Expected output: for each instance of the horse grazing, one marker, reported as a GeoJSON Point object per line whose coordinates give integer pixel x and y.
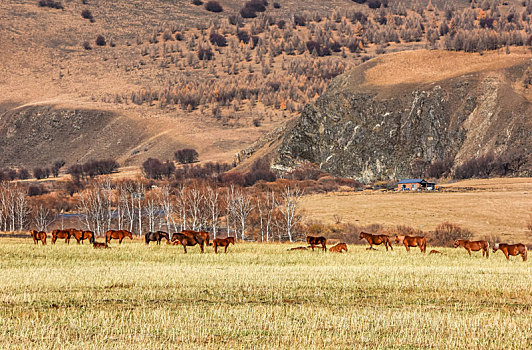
{"type": "Point", "coordinates": [340, 247]}
{"type": "Point", "coordinates": [512, 249]}
{"type": "Point", "coordinates": [317, 241]}
{"type": "Point", "coordinates": [80, 235]}
{"type": "Point", "coordinates": [61, 234]}
{"type": "Point", "coordinates": [156, 237]}
{"type": "Point", "coordinates": [38, 236]}
{"type": "Point", "coordinates": [203, 236]}
{"type": "Point", "coordinates": [376, 239]}
{"type": "Point", "coordinates": [117, 234]}
{"type": "Point", "coordinates": [298, 248]}
{"type": "Point", "coordinates": [97, 245]}
{"type": "Point", "coordinates": [222, 242]}
{"type": "Point", "coordinates": [187, 240]}
{"type": "Point", "coordinates": [474, 246]}
{"type": "Point", "coordinates": [412, 241]}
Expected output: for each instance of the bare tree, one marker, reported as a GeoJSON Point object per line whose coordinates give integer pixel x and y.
{"type": "Point", "coordinates": [289, 209]}
{"type": "Point", "coordinates": [42, 217]}
{"type": "Point", "coordinates": [213, 202]}
{"type": "Point", "coordinates": [243, 208]}
{"type": "Point", "coordinates": [196, 199]}
{"type": "Point", "coordinates": [167, 206]}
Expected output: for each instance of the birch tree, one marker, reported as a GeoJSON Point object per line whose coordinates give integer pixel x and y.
{"type": "Point", "coordinates": [289, 208]}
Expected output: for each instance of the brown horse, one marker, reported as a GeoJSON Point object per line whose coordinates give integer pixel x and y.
{"type": "Point", "coordinates": [222, 242]}
{"type": "Point", "coordinates": [187, 240]}
{"type": "Point", "coordinates": [474, 246]}
{"type": "Point", "coordinates": [80, 235]}
{"type": "Point", "coordinates": [38, 236]}
{"type": "Point", "coordinates": [97, 245]}
{"type": "Point", "coordinates": [298, 248]}
{"type": "Point", "coordinates": [117, 234]}
{"type": "Point", "coordinates": [156, 237]}
{"type": "Point", "coordinates": [512, 249]}
{"type": "Point", "coordinates": [317, 241]}
{"type": "Point", "coordinates": [204, 236]}
{"type": "Point", "coordinates": [433, 251]}
{"type": "Point", "coordinates": [376, 239]}
{"type": "Point", "coordinates": [338, 248]}
{"type": "Point", "coordinates": [412, 241]}
{"type": "Point", "coordinates": [61, 234]}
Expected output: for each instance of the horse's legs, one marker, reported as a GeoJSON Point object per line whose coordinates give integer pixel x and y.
{"type": "Point", "coordinates": [506, 254]}
{"type": "Point", "coordinates": [407, 247]}
{"type": "Point", "coordinates": [201, 247]}
{"type": "Point", "coordinates": [227, 245]}
{"type": "Point", "coordinates": [215, 248]}
{"type": "Point", "coordinates": [185, 248]}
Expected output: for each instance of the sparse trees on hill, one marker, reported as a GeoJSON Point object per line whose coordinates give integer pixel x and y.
{"type": "Point", "coordinates": [186, 156]}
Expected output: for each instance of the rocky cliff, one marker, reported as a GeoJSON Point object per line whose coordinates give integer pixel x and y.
{"type": "Point", "coordinates": [379, 120]}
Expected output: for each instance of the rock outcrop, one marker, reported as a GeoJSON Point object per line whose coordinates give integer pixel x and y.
{"type": "Point", "coordinates": [369, 127]}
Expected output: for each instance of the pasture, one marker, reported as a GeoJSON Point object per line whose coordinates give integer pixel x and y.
{"type": "Point", "coordinates": [500, 207]}
{"type": "Point", "coordinates": [259, 296]}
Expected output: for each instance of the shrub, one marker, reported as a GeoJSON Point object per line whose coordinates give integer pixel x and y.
{"type": "Point", "coordinates": [186, 156]}
{"type": "Point", "coordinates": [87, 14]}
{"type": "Point", "coordinates": [87, 45]}
{"type": "Point", "coordinates": [243, 35]}
{"type": "Point", "coordinates": [314, 46]}
{"type": "Point", "coordinates": [374, 4]}
{"type": "Point", "coordinates": [100, 40]}
{"type": "Point", "coordinates": [36, 190]}
{"type": "Point", "coordinates": [197, 2]}
{"type": "Point", "coordinates": [299, 21]}
{"type": "Point", "coordinates": [58, 164]}
{"type": "Point", "coordinates": [256, 5]}
{"type": "Point", "coordinates": [439, 168]}
{"type": "Point", "coordinates": [155, 169]}
{"type": "Point", "coordinates": [281, 24]}
{"type": "Point", "coordinates": [213, 6]}
{"type": "Point", "coordinates": [23, 174]}
{"type": "Point", "coordinates": [39, 173]}
{"type": "Point", "coordinates": [260, 170]}
{"type": "Point", "coordinates": [217, 39]}
{"type": "Point", "coordinates": [51, 3]}
{"type": "Point", "coordinates": [234, 178]}
{"type": "Point", "coordinates": [205, 53]}
{"type": "Point", "coordinates": [235, 20]}
{"type": "Point", "coordinates": [446, 233]}
{"type": "Point", "coordinates": [276, 5]}
{"type": "Point", "coordinates": [246, 12]}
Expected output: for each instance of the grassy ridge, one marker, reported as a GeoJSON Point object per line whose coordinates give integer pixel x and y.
{"type": "Point", "coordinates": [259, 296]}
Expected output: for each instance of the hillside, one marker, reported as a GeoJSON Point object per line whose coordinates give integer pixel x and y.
{"type": "Point", "coordinates": [394, 116]}
{"type": "Point", "coordinates": [169, 74]}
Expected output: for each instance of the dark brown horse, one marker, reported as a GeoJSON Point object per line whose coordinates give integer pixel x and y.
{"type": "Point", "coordinates": [80, 235]}
{"type": "Point", "coordinates": [61, 234]}
{"type": "Point", "coordinates": [156, 237]}
{"type": "Point", "coordinates": [317, 241]}
{"type": "Point", "coordinates": [474, 246]}
{"type": "Point", "coordinates": [97, 245]}
{"type": "Point", "coordinates": [187, 240]}
{"type": "Point", "coordinates": [511, 249]}
{"type": "Point", "coordinates": [376, 239]}
{"type": "Point", "coordinates": [222, 242]}
{"type": "Point", "coordinates": [412, 241]}
{"type": "Point", "coordinates": [203, 236]}
{"type": "Point", "coordinates": [117, 234]}
{"type": "Point", "coordinates": [338, 248]}
{"type": "Point", "coordinates": [38, 236]}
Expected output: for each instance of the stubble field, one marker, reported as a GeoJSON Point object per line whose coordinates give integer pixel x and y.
{"type": "Point", "coordinates": [259, 296]}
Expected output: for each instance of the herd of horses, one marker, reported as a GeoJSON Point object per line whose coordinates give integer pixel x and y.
{"type": "Point", "coordinates": [189, 238]}
{"type": "Point", "coordinates": [186, 238]}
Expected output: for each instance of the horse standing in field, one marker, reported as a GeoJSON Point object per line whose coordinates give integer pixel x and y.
{"type": "Point", "coordinates": [474, 246]}
{"type": "Point", "coordinates": [117, 234]}
{"type": "Point", "coordinates": [317, 241]}
{"type": "Point", "coordinates": [38, 236]}
{"type": "Point", "coordinates": [511, 249]}
{"type": "Point", "coordinates": [187, 240]}
{"type": "Point", "coordinates": [222, 242]}
{"type": "Point", "coordinates": [412, 241]}
{"type": "Point", "coordinates": [80, 235]}
{"type": "Point", "coordinates": [203, 236]}
{"type": "Point", "coordinates": [339, 248]}
{"type": "Point", "coordinates": [376, 239]}
{"type": "Point", "coordinates": [61, 234]}
{"type": "Point", "coordinates": [156, 237]}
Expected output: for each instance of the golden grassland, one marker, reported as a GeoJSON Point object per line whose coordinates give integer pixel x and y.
{"type": "Point", "coordinates": [259, 296]}
{"type": "Point", "coordinates": [499, 207]}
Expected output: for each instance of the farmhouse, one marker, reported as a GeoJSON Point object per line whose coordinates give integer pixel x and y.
{"type": "Point", "coordinates": [415, 185]}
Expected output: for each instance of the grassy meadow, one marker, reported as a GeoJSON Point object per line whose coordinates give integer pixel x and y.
{"type": "Point", "coordinates": [259, 296]}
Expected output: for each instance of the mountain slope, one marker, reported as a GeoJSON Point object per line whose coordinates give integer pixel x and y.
{"type": "Point", "coordinates": [386, 117]}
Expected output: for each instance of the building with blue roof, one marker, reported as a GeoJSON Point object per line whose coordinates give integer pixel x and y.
{"type": "Point", "coordinates": [415, 185]}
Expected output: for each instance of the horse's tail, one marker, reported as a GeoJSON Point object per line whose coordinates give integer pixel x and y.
{"type": "Point", "coordinates": [487, 249]}
{"type": "Point", "coordinates": [146, 238]}
{"type": "Point", "coordinates": [92, 239]}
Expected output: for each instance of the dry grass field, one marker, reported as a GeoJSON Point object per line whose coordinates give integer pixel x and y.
{"type": "Point", "coordinates": [259, 296]}
{"type": "Point", "coordinates": [499, 207]}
